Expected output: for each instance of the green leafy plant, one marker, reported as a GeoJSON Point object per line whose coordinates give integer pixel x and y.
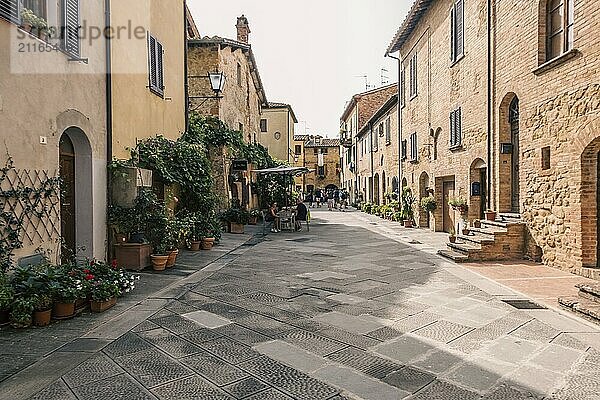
{"type": "Point", "coordinates": [408, 201]}
{"type": "Point", "coordinates": [21, 312]}
{"type": "Point", "coordinates": [459, 204]}
{"type": "Point", "coordinates": [7, 293]}
{"type": "Point", "coordinates": [235, 215]}
{"type": "Point", "coordinates": [104, 290]}
{"type": "Point", "coordinates": [428, 204]}
{"type": "Point", "coordinates": [42, 302]}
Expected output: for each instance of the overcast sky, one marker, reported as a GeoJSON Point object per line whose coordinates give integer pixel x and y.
{"type": "Point", "coordinates": [311, 53]}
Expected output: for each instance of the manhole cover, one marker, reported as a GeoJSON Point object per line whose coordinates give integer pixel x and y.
{"type": "Point", "coordinates": [524, 304]}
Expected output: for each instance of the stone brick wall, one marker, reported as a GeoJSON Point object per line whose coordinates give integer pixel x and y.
{"type": "Point", "coordinates": [560, 108]}
{"type": "Point", "coordinates": [442, 88]}
{"type": "Point", "coordinates": [331, 161]}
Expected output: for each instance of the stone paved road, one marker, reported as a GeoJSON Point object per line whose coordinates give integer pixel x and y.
{"type": "Point", "coordinates": [347, 311]}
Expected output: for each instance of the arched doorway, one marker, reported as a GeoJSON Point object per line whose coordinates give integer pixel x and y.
{"type": "Point", "coordinates": [395, 185]}
{"type": "Point", "coordinates": [68, 216]}
{"type": "Point", "coordinates": [424, 187]}
{"type": "Point", "coordinates": [383, 183]}
{"type": "Point", "coordinates": [75, 169]}
{"type": "Point", "coordinates": [590, 204]}
{"type": "Point", "coordinates": [508, 195]}
{"type": "Point", "coordinates": [513, 118]}
{"type": "Point", "coordinates": [478, 182]}
{"type": "Point", "coordinates": [376, 196]}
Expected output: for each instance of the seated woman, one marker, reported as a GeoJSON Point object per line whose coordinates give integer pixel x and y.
{"type": "Point", "coordinates": [272, 216]}
{"type": "Point", "coordinates": [301, 214]}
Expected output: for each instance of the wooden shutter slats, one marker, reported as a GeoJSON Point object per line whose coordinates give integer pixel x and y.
{"type": "Point", "coordinates": [71, 28]}
{"type": "Point", "coordinates": [156, 65]}
{"type": "Point", "coordinates": [460, 28]}
{"type": "Point", "coordinates": [11, 10]}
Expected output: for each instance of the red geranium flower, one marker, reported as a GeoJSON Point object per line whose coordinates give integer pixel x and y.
{"type": "Point", "coordinates": [86, 271]}
{"type": "Point", "coordinates": [114, 264]}
{"type": "Point", "coordinates": [89, 277]}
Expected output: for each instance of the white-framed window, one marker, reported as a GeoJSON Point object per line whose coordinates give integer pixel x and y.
{"type": "Point", "coordinates": [155, 66]}
{"type": "Point", "coordinates": [457, 31]}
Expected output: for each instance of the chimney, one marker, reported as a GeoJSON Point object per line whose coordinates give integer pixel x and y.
{"type": "Point", "coordinates": [243, 29]}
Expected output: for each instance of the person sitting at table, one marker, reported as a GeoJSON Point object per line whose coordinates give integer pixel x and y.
{"type": "Point", "coordinates": [301, 213]}
{"type": "Point", "coordinates": [272, 216]}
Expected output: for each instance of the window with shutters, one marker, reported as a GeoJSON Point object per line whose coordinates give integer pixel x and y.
{"type": "Point", "coordinates": [456, 128]}
{"type": "Point", "coordinates": [560, 16]}
{"type": "Point", "coordinates": [404, 150]}
{"type": "Point", "coordinates": [388, 131]}
{"type": "Point", "coordinates": [239, 74]}
{"type": "Point", "coordinates": [402, 87]}
{"type": "Point", "coordinates": [324, 150]}
{"type": "Point", "coordinates": [263, 125]}
{"type": "Point", "coordinates": [321, 171]}
{"type": "Point", "coordinates": [414, 150]}
{"type": "Point", "coordinates": [10, 10]}
{"type": "Point", "coordinates": [156, 66]}
{"type": "Point", "coordinates": [70, 29]}
{"type": "Point", "coordinates": [457, 31]}
{"type": "Point", "coordinates": [298, 149]}
{"type": "Point", "coordinates": [413, 77]}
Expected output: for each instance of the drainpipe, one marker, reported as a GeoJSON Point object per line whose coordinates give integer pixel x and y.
{"type": "Point", "coordinates": [372, 188]}
{"type": "Point", "coordinates": [490, 126]}
{"type": "Point", "coordinates": [399, 121]}
{"type": "Point", "coordinates": [109, 116]}
{"type": "Point", "coordinates": [185, 66]}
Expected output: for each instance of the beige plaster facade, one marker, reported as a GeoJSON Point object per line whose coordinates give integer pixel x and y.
{"type": "Point", "coordinates": [327, 174]}
{"type": "Point", "coordinates": [277, 131]}
{"type": "Point", "coordinates": [138, 112]}
{"type": "Point", "coordinates": [46, 95]}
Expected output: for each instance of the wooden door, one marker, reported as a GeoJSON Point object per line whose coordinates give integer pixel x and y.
{"type": "Point", "coordinates": [449, 218]}
{"type": "Point", "coordinates": [483, 197]}
{"type": "Point", "coordinates": [67, 204]}
{"type": "Point", "coordinates": [514, 132]}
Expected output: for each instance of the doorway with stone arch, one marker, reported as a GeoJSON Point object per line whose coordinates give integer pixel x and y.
{"type": "Point", "coordinates": [478, 188]}
{"type": "Point", "coordinates": [383, 185]}
{"type": "Point", "coordinates": [509, 190]}
{"type": "Point", "coordinates": [424, 187]}
{"type": "Point", "coordinates": [376, 194]}
{"type": "Point", "coordinates": [75, 169]}
{"type": "Point", "coordinates": [590, 204]}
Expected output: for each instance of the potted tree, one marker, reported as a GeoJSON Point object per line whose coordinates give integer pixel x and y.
{"type": "Point", "coordinates": [428, 204]}
{"type": "Point", "coordinates": [459, 204]}
{"type": "Point", "coordinates": [157, 234]}
{"type": "Point", "coordinates": [28, 20]}
{"type": "Point", "coordinates": [236, 218]}
{"type": "Point", "coordinates": [408, 201]}
{"type": "Point", "coordinates": [177, 230]}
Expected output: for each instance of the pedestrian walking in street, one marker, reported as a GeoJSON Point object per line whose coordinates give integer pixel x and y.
{"type": "Point", "coordinates": [309, 199]}
{"type": "Point", "coordinates": [318, 197]}
{"type": "Point", "coordinates": [343, 200]}
{"type": "Point", "coordinates": [330, 199]}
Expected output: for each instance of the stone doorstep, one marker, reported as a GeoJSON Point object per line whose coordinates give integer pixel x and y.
{"type": "Point", "coordinates": [589, 291]}
{"type": "Point", "coordinates": [586, 308]}
{"type": "Point", "coordinates": [453, 255]}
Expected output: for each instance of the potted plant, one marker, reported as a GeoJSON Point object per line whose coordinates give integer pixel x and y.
{"type": "Point", "coordinates": [452, 236]}
{"type": "Point", "coordinates": [43, 30]}
{"type": "Point", "coordinates": [458, 204]}
{"type": "Point", "coordinates": [6, 298]}
{"type": "Point", "coordinates": [65, 289]}
{"type": "Point", "coordinates": [408, 201]}
{"type": "Point", "coordinates": [158, 236]}
{"type": "Point", "coordinates": [490, 215]}
{"type": "Point", "coordinates": [428, 204]}
{"type": "Point", "coordinates": [42, 304]}
{"type": "Point", "coordinates": [477, 223]}
{"type": "Point", "coordinates": [104, 293]}
{"type": "Point", "coordinates": [21, 312]}
{"type": "Point", "coordinates": [177, 230]}
{"type": "Point", "coordinates": [28, 20]}
{"type": "Point", "coordinates": [236, 218]}
{"type": "Point", "coordinates": [254, 214]}
{"type": "Point", "coordinates": [465, 230]}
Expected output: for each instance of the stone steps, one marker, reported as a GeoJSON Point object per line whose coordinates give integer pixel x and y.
{"type": "Point", "coordinates": [453, 255]}
{"type": "Point", "coordinates": [499, 240]}
{"type": "Point", "coordinates": [587, 304]}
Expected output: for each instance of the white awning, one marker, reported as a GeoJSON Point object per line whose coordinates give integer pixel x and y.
{"type": "Point", "coordinates": [283, 170]}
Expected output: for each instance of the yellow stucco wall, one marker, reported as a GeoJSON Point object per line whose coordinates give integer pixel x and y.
{"type": "Point", "coordinates": [137, 112]}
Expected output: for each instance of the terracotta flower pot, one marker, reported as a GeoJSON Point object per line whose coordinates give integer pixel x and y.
{"type": "Point", "coordinates": [195, 245]}
{"type": "Point", "coordinates": [408, 223]}
{"type": "Point", "coordinates": [63, 310]}
{"type": "Point", "coordinates": [172, 258]}
{"type": "Point", "coordinates": [80, 304]}
{"type": "Point", "coordinates": [465, 232]}
{"type": "Point", "coordinates": [208, 243]}
{"type": "Point", "coordinates": [452, 239]}
{"type": "Point", "coordinates": [4, 316]}
{"type": "Point", "coordinates": [477, 223]}
{"type": "Point", "coordinates": [27, 27]}
{"type": "Point", "coordinates": [101, 306]}
{"type": "Point", "coordinates": [42, 318]}
{"type": "Point", "coordinates": [236, 228]}
{"type": "Point", "coordinates": [253, 221]}
{"type": "Point", "coordinates": [159, 263]}
{"type": "Point", "coordinates": [490, 215]}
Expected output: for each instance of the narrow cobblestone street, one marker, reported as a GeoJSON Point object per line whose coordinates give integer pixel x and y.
{"type": "Point", "coordinates": [347, 310]}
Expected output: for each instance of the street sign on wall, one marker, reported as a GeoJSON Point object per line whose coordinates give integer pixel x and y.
{"type": "Point", "coordinates": [239, 165]}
